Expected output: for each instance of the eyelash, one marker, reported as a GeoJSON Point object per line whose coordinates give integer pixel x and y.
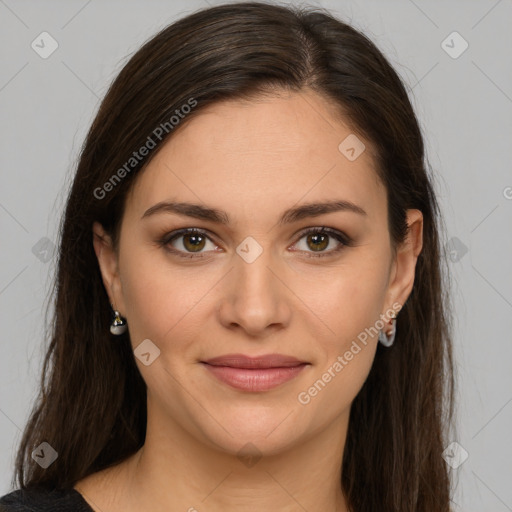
{"type": "Point", "coordinates": [345, 241]}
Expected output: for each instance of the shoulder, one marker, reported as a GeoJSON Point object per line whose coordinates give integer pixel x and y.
{"type": "Point", "coordinates": [44, 500]}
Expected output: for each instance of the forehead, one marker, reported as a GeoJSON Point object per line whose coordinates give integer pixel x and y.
{"type": "Point", "coordinates": [252, 154]}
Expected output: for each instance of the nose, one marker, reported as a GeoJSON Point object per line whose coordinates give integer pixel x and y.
{"type": "Point", "coordinates": [255, 297]}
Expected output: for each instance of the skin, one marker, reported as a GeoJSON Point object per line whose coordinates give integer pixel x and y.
{"type": "Point", "coordinates": [253, 160]}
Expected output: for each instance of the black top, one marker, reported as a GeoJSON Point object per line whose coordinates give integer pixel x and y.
{"type": "Point", "coordinates": [41, 500]}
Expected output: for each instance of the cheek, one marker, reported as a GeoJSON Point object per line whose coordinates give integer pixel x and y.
{"type": "Point", "coordinates": [333, 388]}
{"type": "Point", "coordinates": [343, 300]}
{"type": "Point", "coordinates": [158, 298]}
{"type": "Point", "coordinates": [349, 305]}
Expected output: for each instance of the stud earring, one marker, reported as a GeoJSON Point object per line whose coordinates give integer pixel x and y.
{"type": "Point", "coordinates": [388, 339]}
{"type": "Point", "coordinates": [118, 325]}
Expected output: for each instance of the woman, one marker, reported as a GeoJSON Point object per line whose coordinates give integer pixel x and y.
{"type": "Point", "coordinates": [251, 310]}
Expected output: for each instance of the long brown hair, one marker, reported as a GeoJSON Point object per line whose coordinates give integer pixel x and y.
{"type": "Point", "coordinates": [92, 404]}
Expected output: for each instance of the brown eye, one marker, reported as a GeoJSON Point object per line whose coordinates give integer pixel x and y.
{"type": "Point", "coordinates": [193, 242]}
{"type": "Point", "coordinates": [188, 243]}
{"type": "Point", "coordinates": [317, 241]}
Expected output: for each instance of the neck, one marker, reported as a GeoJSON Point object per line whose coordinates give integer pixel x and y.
{"type": "Point", "coordinates": [174, 471]}
{"type": "Point", "coordinates": [178, 469]}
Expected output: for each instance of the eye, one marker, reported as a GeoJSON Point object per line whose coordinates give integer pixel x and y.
{"type": "Point", "coordinates": [192, 243]}
{"type": "Point", "coordinates": [318, 239]}
{"type": "Point", "coordinates": [194, 240]}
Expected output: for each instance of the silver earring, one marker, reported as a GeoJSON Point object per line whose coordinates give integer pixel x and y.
{"type": "Point", "coordinates": [388, 339]}
{"type": "Point", "coordinates": [118, 325]}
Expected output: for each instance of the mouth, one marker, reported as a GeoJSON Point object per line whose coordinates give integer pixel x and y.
{"type": "Point", "coordinates": [254, 374]}
{"type": "Point", "coordinates": [249, 362]}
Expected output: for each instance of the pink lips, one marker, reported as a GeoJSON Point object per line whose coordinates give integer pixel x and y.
{"type": "Point", "coordinates": [254, 373]}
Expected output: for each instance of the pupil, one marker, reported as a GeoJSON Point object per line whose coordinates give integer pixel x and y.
{"type": "Point", "coordinates": [194, 239]}
{"type": "Point", "coordinates": [316, 238]}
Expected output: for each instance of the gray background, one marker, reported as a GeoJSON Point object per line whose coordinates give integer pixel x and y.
{"type": "Point", "coordinates": [465, 109]}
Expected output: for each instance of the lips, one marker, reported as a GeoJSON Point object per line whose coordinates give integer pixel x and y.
{"type": "Point", "coordinates": [265, 361]}
{"type": "Point", "coordinates": [254, 374]}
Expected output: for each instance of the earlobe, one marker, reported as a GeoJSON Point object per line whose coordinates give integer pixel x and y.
{"type": "Point", "coordinates": [108, 263]}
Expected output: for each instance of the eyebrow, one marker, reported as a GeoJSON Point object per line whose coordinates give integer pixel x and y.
{"type": "Point", "coordinates": [295, 214]}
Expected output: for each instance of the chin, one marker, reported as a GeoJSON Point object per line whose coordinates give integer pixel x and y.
{"type": "Point", "coordinates": [262, 431]}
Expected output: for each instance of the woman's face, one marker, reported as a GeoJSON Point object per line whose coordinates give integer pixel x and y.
{"type": "Point", "coordinates": [257, 283]}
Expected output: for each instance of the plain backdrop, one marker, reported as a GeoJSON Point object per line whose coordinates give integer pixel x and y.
{"type": "Point", "coordinates": [464, 103]}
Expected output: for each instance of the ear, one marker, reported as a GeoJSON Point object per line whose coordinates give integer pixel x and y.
{"type": "Point", "coordinates": [108, 263]}
{"type": "Point", "coordinates": [404, 266]}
